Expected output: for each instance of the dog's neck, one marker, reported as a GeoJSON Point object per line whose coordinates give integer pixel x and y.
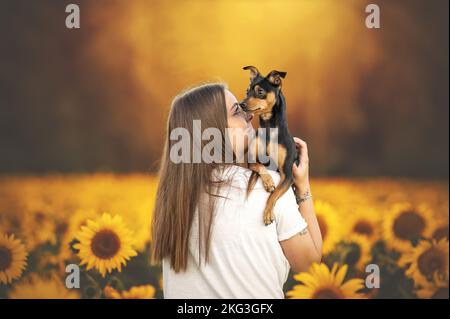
{"type": "Point", "coordinates": [277, 115]}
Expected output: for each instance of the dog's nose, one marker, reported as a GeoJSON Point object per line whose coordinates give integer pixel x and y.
{"type": "Point", "coordinates": [243, 105]}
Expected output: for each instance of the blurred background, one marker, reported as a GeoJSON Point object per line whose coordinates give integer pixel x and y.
{"type": "Point", "coordinates": [94, 101]}
{"type": "Point", "coordinates": [368, 101]}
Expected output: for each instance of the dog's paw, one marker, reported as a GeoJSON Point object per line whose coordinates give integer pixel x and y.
{"type": "Point", "coordinates": [269, 188]}
{"type": "Point", "coordinates": [268, 217]}
{"type": "Point", "coordinates": [268, 183]}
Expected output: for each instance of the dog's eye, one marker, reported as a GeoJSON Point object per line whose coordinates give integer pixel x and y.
{"type": "Point", "coordinates": [259, 91]}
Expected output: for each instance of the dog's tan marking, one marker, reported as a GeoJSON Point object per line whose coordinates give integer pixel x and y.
{"type": "Point", "coordinates": [270, 99]}
{"type": "Point", "coordinates": [275, 76]}
{"type": "Point", "coordinates": [282, 152]}
{"type": "Point", "coordinates": [278, 152]}
{"type": "Point", "coordinates": [262, 107]}
{"type": "Point", "coordinates": [266, 116]}
{"type": "Point", "coordinates": [282, 187]}
{"type": "Point", "coordinates": [257, 87]}
{"type": "Point", "coordinates": [255, 105]}
{"type": "Point", "coordinates": [256, 146]}
{"type": "Point", "coordinates": [275, 79]}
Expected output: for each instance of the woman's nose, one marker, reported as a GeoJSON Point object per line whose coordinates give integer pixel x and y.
{"type": "Point", "coordinates": [249, 117]}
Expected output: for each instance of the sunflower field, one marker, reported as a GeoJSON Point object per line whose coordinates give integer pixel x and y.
{"type": "Point", "coordinates": [101, 222]}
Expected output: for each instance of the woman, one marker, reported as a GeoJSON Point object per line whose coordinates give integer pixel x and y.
{"type": "Point", "coordinates": [209, 236]}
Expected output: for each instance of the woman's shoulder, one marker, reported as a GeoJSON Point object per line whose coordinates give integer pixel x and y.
{"type": "Point", "coordinates": [286, 199]}
{"type": "Point", "coordinates": [239, 176]}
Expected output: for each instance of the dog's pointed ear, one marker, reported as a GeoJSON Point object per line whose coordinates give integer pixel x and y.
{"type": "Point", "coordinates": [275, 77]}
{"type": "Point", "coordinates": [253, 71]}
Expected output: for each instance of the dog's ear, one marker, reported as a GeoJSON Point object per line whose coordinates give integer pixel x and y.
{"type": "Point", "coordinates": [275, 77]}
{"type": "Point", "coordinates": [253, 71]}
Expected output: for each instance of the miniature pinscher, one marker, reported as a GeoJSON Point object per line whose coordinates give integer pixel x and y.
{"type": "Point", "coordinates": [265, 99]}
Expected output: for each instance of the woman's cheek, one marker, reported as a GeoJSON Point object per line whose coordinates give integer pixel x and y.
{"type": "Point", "coordinates": [238, 134]}
{"type": "Point", "coordinates": [234, 139]}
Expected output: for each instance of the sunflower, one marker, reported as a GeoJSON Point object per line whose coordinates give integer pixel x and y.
{"type": "Point", "coordinates": [404, 223]}
{"type": "Point", "coordinates": [13, 258]}
{"type": "Point", "coordinates": [77, 220]}
{"type": "Point", "coordinates": [440, 230]}
{"type": "Point", "coordinates": [365, 224]}
{"type": "Point", "coordinates": [358, 248]}
{"type": "Point", "coordinates": [329, 224]}
{"type": "Point", "coordinates": [105, 244]}
{"type": "Point", "coordinates": [137, 292]}
{"type": "Point", "coordinates": [426, 259]}
{"type": "Point", "coordinates": [437, 289]}
{"type": "Point", "coordinates": [35, 287]}
{"type": "Point", "coordinates": [321, 283]}
{"type": "Point", "coordinates": [39, 227]}
{"type": "Point", "coordinates": [9, 223]}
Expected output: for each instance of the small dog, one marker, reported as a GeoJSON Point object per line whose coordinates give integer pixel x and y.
{"type": "Point", "coordinates": [265, 99]}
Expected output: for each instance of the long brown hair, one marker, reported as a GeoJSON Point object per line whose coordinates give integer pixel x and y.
{"type": "Point", "coordinates": [183, 186]}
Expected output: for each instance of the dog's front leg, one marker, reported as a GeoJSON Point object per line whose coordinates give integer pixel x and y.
{"type": "Point", "coordinates": [254, 151]}
{"type": "Point", "coordinates": [267, 180]}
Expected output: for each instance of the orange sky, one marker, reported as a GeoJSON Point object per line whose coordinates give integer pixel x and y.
{"type": "Point", "coordinates": [323, 45]}
{"type": "Point", "coordinates": [368, 101]}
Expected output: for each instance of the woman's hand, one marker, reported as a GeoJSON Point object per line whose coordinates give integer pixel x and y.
{"type": "Point", "coordinates": [301, 172]}
{"type": "Point", "coordinates": [304, 248]}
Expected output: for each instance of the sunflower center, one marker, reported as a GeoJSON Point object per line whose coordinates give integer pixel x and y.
{"type": "Point", "coordinates": [354, 254]}
{"type": "Point", "coordinates": [363, 227]}
{"type": "Point", "coordinates": [441, 232]}
{"type": "Point", "coordinates": [39, 217]}
{"type": "Point", "coordinates": [105, 244]}
{"type": "Point", "coordinates": [409, 225]}
{"type": "Point", "coordinates": [327, 293]}
{"type": "Point", "coordinates": [5, 258]}
{"type": "Point", "coordinates": [431, 261]}
{"type": "Point", "coordinates": [323, 226]}
{"type": "Point", "coordinates": [61, 228]}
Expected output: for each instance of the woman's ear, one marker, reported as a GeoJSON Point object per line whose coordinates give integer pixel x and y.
{"type": "Point", "coordinates": [253, 71]}
{"type": "Point", "coordinates": [275, 77]}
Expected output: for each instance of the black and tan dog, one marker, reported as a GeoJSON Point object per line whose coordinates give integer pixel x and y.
{"type": "Point", "coordinates": [265, 99]}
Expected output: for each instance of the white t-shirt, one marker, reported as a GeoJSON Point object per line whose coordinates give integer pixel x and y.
{"type": "Point", "coordinates": [245, 257]}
